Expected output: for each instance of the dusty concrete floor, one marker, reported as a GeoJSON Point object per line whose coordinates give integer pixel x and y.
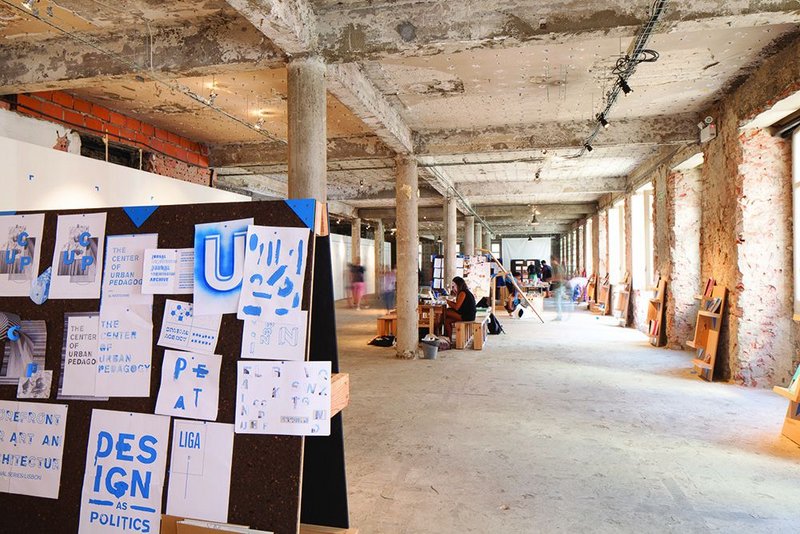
{"type": "Point", "coordinates": [577, 426]}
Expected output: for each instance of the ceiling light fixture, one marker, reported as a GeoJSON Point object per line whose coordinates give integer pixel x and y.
{"type": "Point", "coordinates": [624, 86]}
{"type": "Point", "coordinates": [212, 97]}
{"type": "Point", "coordinates": [28, 4]}
{"type": "Point", "coordinates": [601, 118]}
{"type": "Point", "coordinates": [588, 147]}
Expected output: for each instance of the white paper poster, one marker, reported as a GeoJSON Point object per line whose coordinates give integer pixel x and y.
{"type": "Point", "coordinates": [20, 253]}
{"type": "Point", "coordinates": [168, 271]}
{"type": "Point", "coordinates": [31, 447]}
{"type": "Point", "coordinates": [78, 256]}
{"type": "Point", "coordinates": [183, 330]}
{"type": "Point", "coordinates": [80, 355]}
{"type": "Point", "coordinates": [124, 352]}
{"type": "Point", "coordinates": [122, 279]}
{"type": "Point", "coordinates": [36, 385]}
{"type": "Point", "coordinates": [189, 385]}
{"type": "Point", "coordinates": [275, 340]}
{"type": "Point", "coordinates": [219, 263]}
{"type": "Point", "coordinates": [200, 470]}
{"type": "Point", "coordinates": [289, 398]}
{"type": "Point", "coordinates": [275, 270]}
{"type": "Point", "coordinates": [126, 460]}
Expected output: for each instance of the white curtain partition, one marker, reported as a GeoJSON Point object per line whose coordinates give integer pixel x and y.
{"type": "Point", "coordinates": [340, 257]}
{"type": "Point", "coordinates": [519, 248]}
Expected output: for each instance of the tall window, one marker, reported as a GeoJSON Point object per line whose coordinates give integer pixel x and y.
{"type": "Point", "coordinates": [642, 236]}
{"type": "Point", "coordinates": [796, 218]}
{"type": "Point", "coordinates": [588, 253]}
{"type": "Point", "coordinates": [616, 241]}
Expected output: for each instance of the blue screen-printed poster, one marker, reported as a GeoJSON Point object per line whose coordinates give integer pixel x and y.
{"type": "Point", "coordinates": [189, 385]}
{"type": "Point", "coordinates": [274, 274]}
{"type": "Point", "coordinates": [219, 250]}
{"type": "Point", "coordinates": [126, 460]}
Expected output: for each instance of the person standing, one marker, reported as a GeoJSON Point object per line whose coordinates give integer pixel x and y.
{"type": "Point", "coordinates": [389, 284]}
{"type": "Point", "coordinates": [357, 282]}
{"type": "Point", "coordinates": [557, 285]}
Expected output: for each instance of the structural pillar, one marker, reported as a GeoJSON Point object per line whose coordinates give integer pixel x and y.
{"type": "Point", "coordinates": [407, 251]}
{"type": "Point", "coordinates": [355, 241]}
{"type": "Point", "coordinates": [487, 239]}
{"type": "Point", "coordinates": [450, 242]}
{"type": "Point", "coordinates": [469, 235]}
{"type": "Point", "coordinates": [478, 240]}
{"type": "Point", "coordinates": [307, 110]}
{"type": "Point", "coordinates": [379, 266]}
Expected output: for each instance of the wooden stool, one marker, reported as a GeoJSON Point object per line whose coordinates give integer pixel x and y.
{"type": "Point", "coordinates": [387, 325]}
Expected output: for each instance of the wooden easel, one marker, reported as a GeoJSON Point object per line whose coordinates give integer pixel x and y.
{"type": "Point", "coordinates": [791, 425]}
{"type": "Point", "coordinates": [602, 306]}
{"type": "Point", "coordinates": [520, 292]}
{"type": "Point", "coordinates": [706, 333]}
{"type": "Point", "coordinates": [655, 316]}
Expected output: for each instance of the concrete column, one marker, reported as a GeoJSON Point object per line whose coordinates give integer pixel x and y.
{"type": "Point", "coordinates": [487, 239]}
{"type": "Point", "coordinates": [379, 265]}
{"type": "Point", "coordinates": [407, 250]}
{"type": "Point", "coordinates": [355, 241]}
{"type": "Point", "coordinates": [469, 235]}
{"type": "Point", "coordinates": [478, 240]}
{"type": "Point", "coordinates": [450, 241]}
{"type": "Point", "coordinates": [307, 109]}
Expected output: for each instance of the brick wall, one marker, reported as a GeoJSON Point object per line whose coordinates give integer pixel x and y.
{"type": "Point", "coordinates": [173, 155]}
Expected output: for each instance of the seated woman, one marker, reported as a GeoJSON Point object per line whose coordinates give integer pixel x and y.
{"type": "Point", "coordinates": [460, 309]}
{"type": "Point", "coordinates": [513, 298]}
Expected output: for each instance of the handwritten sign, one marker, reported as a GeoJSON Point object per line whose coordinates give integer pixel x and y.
{"type": "Point", "coordinates": [200, 470]}
{"type": "Point", "coordinates": [189, 385]}
{"type": "Point", "coordinates": [275, 269]}
{"type": "Point", "coordinates": [219, 263]}
{"type": "Point", "coordinates": [20, 253]}
{"type": "Point", "coordinates": [183, 330]}
{"type": "Point", "coordinates": [31, 447]}
{"type": "Point", "coordinates": [275, 340]}
{"type": "Point", "coordinates": [168, 271]}
{"type": "Point", "coordinates": [122, 280]}
{"type": "Point", "coordinates": [288, 398]}
{"type": "Point", "coordinates": [124, 478]}
{"type": "Point", "coordinates": [78, 256]}
{"type": "Point", "coordinates": [80, 354]}
{"type": "Point", "coordinates": [124, 354]}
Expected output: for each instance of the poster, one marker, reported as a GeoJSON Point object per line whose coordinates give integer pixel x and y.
{"type": "Point", "coordinates": [200, 470]}
{"type": "Point", "coordinates": [168, 271]}
{"type": "Point", "coordinates": [181, 329]}
{"type": "Point", "coordinates": [275, 340]}
{"type": "Point", "coordinates": [78, 256]}
{"type": "Point", "coordinates": [275, 270]}
{"type": "Point", "coordinates": [289, 398]}
{"type": "Point", "coordinates": [35, 384]}
{"type": "Point", "coordinates": [25, 347]}
{"type": "Point", "coordinates": [20, 253]}
{"type": "Point", "coordinates": [31, 447]}
{"type": "Point", "coordinates": [124, 352]}
{"type": "Point", "coordinates": [122, 279]}
{"type": "Point", "coordinates": [126, 459]}
{"type": "Point", "coordinates": [189, 385]}
{"type": "Point", "coordinates": [219, 263]}
{"type": "Point", "coordinates": [80, 352]}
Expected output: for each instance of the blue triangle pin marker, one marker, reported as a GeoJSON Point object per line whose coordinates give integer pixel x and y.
{"type": "Point", "coordinates": [8, 212]}
{"type": "Point", "coordinates": [139, 214]}
{"type": "Point", "coordinates": [305, 209]}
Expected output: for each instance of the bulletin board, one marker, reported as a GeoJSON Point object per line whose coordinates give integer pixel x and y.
{"type": "Point", "coordinates": [267, 475]}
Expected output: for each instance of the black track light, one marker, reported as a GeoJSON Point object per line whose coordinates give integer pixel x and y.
{"type": "Point", "coordinates": [588, 147]}
{"type": "Point", "coordinates": [602, 120]}
{"type": "Point", "coordinates": [624, 86]}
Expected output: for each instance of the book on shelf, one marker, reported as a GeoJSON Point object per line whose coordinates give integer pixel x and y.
{"type": "Point", "coordinates": [713, 305]}
{"type": "Point", "coordinates": [654, 327]}
{"type": "Point", "coordinates": [794, 385]}
{"type": "Point", "coordinates": [710, 283]}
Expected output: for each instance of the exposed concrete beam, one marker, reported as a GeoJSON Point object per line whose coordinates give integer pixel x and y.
{"type": "Point", "coordinates": [662, 130]}
{"type": "Point", "coordinates": [212, 45]}
{"type": "Point", "coordinates": [276, 153]}
{"type": "Point", "coordinates": [349, 84]}
{"type": "Point", "coordinates": [379, 195]}
{"type": "Point", "coordinates": [290, 24]}
{"type": "Point", "coordinates": [495, 213]}
{"type": "Point", "coordinates": [528, 187]}
{"type": "Point", "coordinates": [373, 30]}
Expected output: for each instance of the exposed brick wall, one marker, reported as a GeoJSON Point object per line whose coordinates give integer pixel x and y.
{"type": "Point", "coordinates": [173, 155]}
{"type": "Point", "coordinates": [5, 105]}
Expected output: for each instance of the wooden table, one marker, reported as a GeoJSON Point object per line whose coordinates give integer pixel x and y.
{"type": "Point", "coordinates": [434, 315]}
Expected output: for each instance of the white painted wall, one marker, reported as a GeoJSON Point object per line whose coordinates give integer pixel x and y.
{"type": "Point", "coordinates": [36, 177]}
{"type": "Point", "coordinates": [340, 257]}
{"type": "Point", "coordinates": [35, 131]}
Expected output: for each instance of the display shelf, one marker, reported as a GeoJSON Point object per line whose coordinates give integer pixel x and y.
{"type": "Point", "coordinates": [706, 333]}
{"type": "Point", "coordinates": [791, 424]}
{"type": "Point", "coordinates": [655, 316]}
{"type": "Point", "coordinates": [701, 364]}
{"type": "Point", "coordinates": [703, 313]}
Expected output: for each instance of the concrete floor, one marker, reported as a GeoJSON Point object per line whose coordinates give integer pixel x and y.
{"type": "Point", "coordinates": [579, 426]}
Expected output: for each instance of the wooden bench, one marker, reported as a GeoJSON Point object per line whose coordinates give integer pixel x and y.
{"type": "Point", "coordinates": [474, 331]}
{"type": "Point", "coordinates": [387, 325]}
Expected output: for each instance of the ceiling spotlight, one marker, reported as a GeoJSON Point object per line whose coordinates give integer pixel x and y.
{"type": "Point", "coordinates": [259, 123]}
{"type": "Point", "coordinates": [534, 220]}
{"type": "Point", "coordinates": [28, 4]}
{"type": "Point", "coordinates": [212, 97]}
{"type": "Point", "coordinates": [538, 175]}
{"type": "Point", "coordinates": [602, 120]}
{"type": "Point", "coordinates": [530, 238]}
{"type": "Point", "coordinates": [624, 86]}
{"type": "Point", "coordinates": [588, 147]}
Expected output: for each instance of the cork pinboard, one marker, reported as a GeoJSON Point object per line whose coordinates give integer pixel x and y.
{"type": "Point", "coordinates": [267, 470]}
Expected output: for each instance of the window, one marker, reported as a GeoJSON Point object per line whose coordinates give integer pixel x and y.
{"type": "Point", "coordinates": [642, 237]}
{"type": "Point", "coordinates": [588, 255]}
{"type": "Point", "coordinates": [496, 249]}
{"type": "Point", "coordinates": [616, 241]}
{"type": "Point", "coordinates": [796, 223]}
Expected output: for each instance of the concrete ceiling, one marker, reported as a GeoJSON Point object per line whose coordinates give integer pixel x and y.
{"type": "Point", "coordinates": [494, 98]}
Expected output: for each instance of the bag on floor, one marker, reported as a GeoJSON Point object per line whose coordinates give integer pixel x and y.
{"type": "Point", "coordinates": [494, 327]}
{"type": "Point", "coordinates": [382, 341]}
{"type": "Point", "coordinates": [443, 342]}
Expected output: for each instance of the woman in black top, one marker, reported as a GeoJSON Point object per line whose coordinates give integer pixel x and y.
{"type": "Point", "coordinates": [462, 308]}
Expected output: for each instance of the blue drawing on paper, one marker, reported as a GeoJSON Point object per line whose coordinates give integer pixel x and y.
{"type": "Point", "coordinates": [219, 250]}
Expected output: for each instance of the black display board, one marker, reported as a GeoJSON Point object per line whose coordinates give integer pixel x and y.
{"type": "Point", "coordinates": [267, 470]}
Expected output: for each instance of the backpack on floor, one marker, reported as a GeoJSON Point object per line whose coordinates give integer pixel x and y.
{"type": "Point", "coordinates": [494, 327]}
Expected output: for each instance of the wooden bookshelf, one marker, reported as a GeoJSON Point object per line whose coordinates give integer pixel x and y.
{"type": "Point", "coordinates": [706, 333]}
{"type": "Point", "coordinates": [791, 424]}
{"type": "Point", "coordinates": [621, 303]}
{"type": "Point", "coordinates": [591, 289]}
{"type": "Point", "coordinates": [655, 316]}
{"type": "Point", "coordinates": [603, 304]}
